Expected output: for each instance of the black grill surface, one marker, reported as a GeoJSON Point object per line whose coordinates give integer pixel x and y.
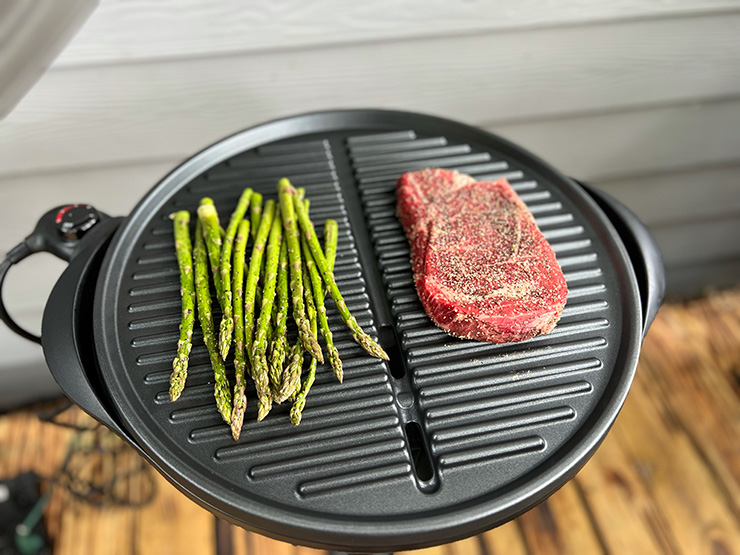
{"type": "Point", "coordinates": [450, 437]}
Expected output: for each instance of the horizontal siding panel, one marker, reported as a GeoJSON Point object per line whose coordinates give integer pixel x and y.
{"type": "Point", "coordinates": [679, 197]}
{"type": "Point", "coordinates": [149, 29]}
{"type": "Point", "coordinates": [608, 146]}
{"type": "Point", "coordinates": [127, 112]}
{"type": "Point", "coordinates": [694, 280]}
{"type": "Point", "coordinates": [699, 243]}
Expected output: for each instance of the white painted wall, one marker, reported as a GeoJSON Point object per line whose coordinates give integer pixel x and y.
{"type": "Point", "coordinates": [639, 97]}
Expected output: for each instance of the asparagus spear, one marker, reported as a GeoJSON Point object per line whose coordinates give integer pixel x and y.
{"type": "Point", "coordinates": [255, 261]}
{"type": "Point", "coordinates": [203, 296]}
{"type": "Point", "coordinates": [213, 234]}
{"type": "Point", "coordinates": [279, 343]}
{"type": "Point", "coordinates": [286, 192]}
{"type": "Point", "coordinates": [240, 362]}
{"type": "Point", "coordinates": [259, 346]}
{"type": "Point", "coordinates": [256, 216]}
{"type": "Point", "coordinates": [331, 237]}
{"type": "Point", "coordinates": [300, 401]}
{"type": "Point", "coordinates": [187, 292]}
{"type": "Point", "coordinates": [292, 374]}
{"type": "Point", "coordinates": [327, 275]}
{"type": "Point", "coordinates": [255, 213]}
{"type": "Point", "coordinates": [318, 300]}
{"type": "Point", "coordinates": [227, 322]}
{"type": "Point", "coordinates": [208, 217]}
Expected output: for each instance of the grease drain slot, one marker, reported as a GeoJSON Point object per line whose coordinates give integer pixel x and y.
{"type": "Point", "coordinates": [390, 343]}
{"type": "Point", "coordinates": [420, 458]}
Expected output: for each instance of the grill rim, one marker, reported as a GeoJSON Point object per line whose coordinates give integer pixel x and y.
{"type": "Point", "coordinates": [317, 530]}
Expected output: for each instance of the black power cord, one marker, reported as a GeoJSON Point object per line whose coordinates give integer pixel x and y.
{"type": "Point", "coordinates": [134, 487]}
{"type": "Point", "coordinates": [109, 450]}
{"type": "Point", "coordinates": [17, 254]}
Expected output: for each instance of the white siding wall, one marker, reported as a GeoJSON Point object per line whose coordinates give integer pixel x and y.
{"type": "Point", "coordinates": [639, 97]}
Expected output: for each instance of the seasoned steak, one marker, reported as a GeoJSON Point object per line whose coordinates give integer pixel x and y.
{"type": "Point", "coordinates": [482, 268]}
{"type": "Point", "coordinates": [417, 192]}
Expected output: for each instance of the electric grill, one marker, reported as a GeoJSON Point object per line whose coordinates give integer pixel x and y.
{"type": "Point", "coordinates": [450, 437]}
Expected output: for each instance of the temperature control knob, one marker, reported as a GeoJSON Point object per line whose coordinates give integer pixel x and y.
{"type": "Point", "coordinates": [74, 220]}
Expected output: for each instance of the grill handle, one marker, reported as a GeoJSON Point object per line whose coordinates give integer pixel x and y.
{"type": "Point", "coordinates": [67, 331]}
{"type": "Point", "coordinates": [642, 249]}
{"type": "Point", "coordinates": [60, 232]}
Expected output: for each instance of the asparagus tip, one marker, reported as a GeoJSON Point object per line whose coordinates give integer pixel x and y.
{"type": "Point", "coordinates": [264, 408]}
{"type": "Point", "coordinates": [296, 414]}
{"type": "Point", "coordinates": [237, 414]}
{"type": "Point", "coordinates": [367, 343]}
{"type": "Point", "coordinates": [175, 393]}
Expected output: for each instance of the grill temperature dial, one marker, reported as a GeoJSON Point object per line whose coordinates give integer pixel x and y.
{"type": "Point", "coordinates": [74, 220]}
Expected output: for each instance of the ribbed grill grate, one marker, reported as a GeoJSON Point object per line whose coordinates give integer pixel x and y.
{"type": "Point", "coordinates": [350, 435]}
{"type": "Point", "coordinates": [477, 401]}
{"type": "Point", "coordinates": [491, 417]}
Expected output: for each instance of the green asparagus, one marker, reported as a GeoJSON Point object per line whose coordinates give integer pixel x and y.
{"type": "Point", "coordinates": [255, 213]}
{"type": "Point", "coordinates": [227, 322]}
{"type": "Point", "coordinates": [208, 217]}
{"type": "Point", "coordinates": [184, 253]}
{"type": "Point", "coordinates": [260, 372]}
{"type": "Point", "coordinates": [279, 343]}
{"type": "Point", "coordinates": [327, 275]}
{"type": "Point", "coordinates": [331, 237]}
{"type": "Point", "coordinates": [296, 411]}
{"type": "Point", "coordinates": [291, 378]}
{"type": "Point", "coordinates": [318, 300]}
{"type": "Point", "coordinates": [240, 361]}
{"type": "Point", "coordinates": [203, 296]}
{"type": "Point", "coordinates": [255, 261]}
{"type": "Point", "coordinates": [286, 192]}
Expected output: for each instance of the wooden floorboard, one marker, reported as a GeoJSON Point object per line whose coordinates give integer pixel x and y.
{"type": "Point", "coordinates": [665, 480]}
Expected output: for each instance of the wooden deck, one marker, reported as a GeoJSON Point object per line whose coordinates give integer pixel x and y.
{"type": "Point", "coordinates": [666, 480]}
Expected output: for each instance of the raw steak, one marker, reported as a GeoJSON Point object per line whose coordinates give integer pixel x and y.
{"type": "Point", "coordinates": [482, 268]}
{"type": "Point", "coordinates": [416, 194]}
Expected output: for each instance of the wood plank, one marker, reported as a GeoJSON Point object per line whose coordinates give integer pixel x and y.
{"type": "Point", "coordinates": [469, 546]}
{"type": "Point", "coordinates": [437, 550]}
{"type": "Point", "coordinates": [507, 539]}
{"type": "Point", "coordinates": [262, 544]}
{"type": "Point", "coordinates": [561, 525]}
{"type": "Point", "coordinates": [100, 115]}
{"type": "Point", "coordinates": [161, 29]}
{"type": "Point", "coordinates": [690, 339]}
{"type": "Point", "coordinates": [638, 162]}
{"type": "Point", "coordinates": [679, 196]}
{"type": "Point", "coordinates": [614, 492]}
{"type": "Point", "coordinates": [696, 512]}
{"type": "Point", "coordinates": [160, 527]}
